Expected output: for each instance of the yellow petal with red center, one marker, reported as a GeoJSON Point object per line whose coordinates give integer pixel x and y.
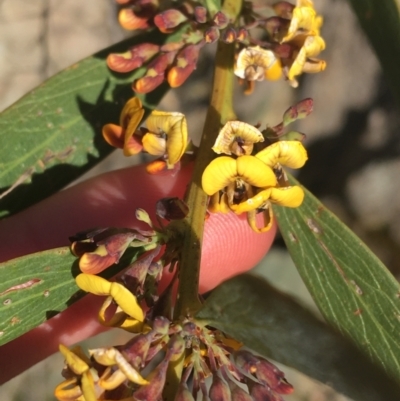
{"type": "Point", "coordinates": [236, 131]}
{"type": "Point", "coordinates": [288, 153]}
{"type": "Point", "coordinates": [87, 385]}
{"type": "Point", "coordinates": [126, 301]}
{"type": "Point", "coordinates": [68, 390]}
{"type": "Point", "coordinates": [175, 127]}
{"type": "Point", "coordinates": [255, 172]}
{"type": "Point", "coordinates": [97, 261]}
{"type": "Point", "coordinates": [268, 220]}
{"type": "Point", "coordinates": [111, 379]}
{"type": "Point", "coordinates": [218, 174]}
{"type": "Point", "coordinates": [252, 203]}
{"type": "Point", "coordinates": [287, 196]}
{"type": "Point", "coordinates": [303, 20]}
{"type": "Point", "coordinates": [154, 144]}
{"type": "Point", "coordinates": [76, 364]}
{"type": "Point", "coordinates": [114, 135]}
{"type": "Point", "coordinates": [94, 284]}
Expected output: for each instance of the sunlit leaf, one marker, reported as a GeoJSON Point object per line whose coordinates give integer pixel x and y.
{"type": "Point", "coordinates": [353, 289]}
{"type": "Point", "coordinates": [274, 325]}
{"type": "Point", "coordinates": [35, 287]}
{"type": "Point", "coordinates": [53, 134]}
{"type": "Point", "coordinates": [380, 20]}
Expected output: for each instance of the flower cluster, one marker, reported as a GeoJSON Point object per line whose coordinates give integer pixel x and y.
{"type": "Point", "coordinates": [165, 359]}
{"type": "Point", "coordinates": [194, 357]}
{"type": "Point", "coordinates": [249, 183]}
{"type": "Point", "coordinates": [289, 45]}
{"type": "Point", "coordinates": [164, 135]}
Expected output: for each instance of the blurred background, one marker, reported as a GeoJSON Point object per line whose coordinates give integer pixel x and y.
{"type": "Point", "coordinates": [353, 138]}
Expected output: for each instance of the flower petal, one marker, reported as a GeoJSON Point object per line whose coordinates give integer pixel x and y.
{"type": "Point", "coordinates": [236, 131]}
{"type": "Point", "coordinates": [255, 172]}
{"type": "Point", "coordinates": [154, 144]}
{"type": "Point", "coordinates": [127, 301]}
{"type": "Point", "coordinates": [94, 284]}
{"type": "Point", "coordinates": [268, 220]}
{"type": "Point", "coordinates": [252, 203]}
{"type": "Point", "coordinates": [287, 196]}
{"type": "Point", "coordinates": [175, 127]}
{"type": "Point", "coordinates": [218, 174]}
{"type": "Point", "coordinates": [114, 135]}
{"type": "Point", "coordinates": [74, 362]}
{"type": "Point", "coordinates": [288, 153]}
{"type": "Point", "coordinates": [111, 379]}
{"type": "Point", "coordinates": [68, 390]}
{"type": "Point", "coordinates": [87, 385]}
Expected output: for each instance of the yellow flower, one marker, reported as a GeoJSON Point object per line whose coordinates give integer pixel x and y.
{"type": "Point", "coordinates": [304, 36]}
{"type": "Point", "coordinates": [238, 138]}
{"type": "Point", "coordinates": [167, 135]}
{"type": "Point", "coordinates": [128, 315]}
{"type": "Point", "coordinates": [122, 136]}
{"type": "Point", "coordinates": [249, 184]}
{"type": "Point", "coordinates": [83, 384]}
{"type": "Point", "coordinates": [256, 64]}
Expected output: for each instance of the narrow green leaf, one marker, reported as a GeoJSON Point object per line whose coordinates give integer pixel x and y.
{"type": "Point", "coordinates": [380, 20]}
{"type": "Point", "coordinates": [53, 134]}
{"type": "Point", "coordinates": [36, 287]}
{"type": "Point", "coordinates": [352, 288]}
{"type": "Point", "coordinates": [274, 325]}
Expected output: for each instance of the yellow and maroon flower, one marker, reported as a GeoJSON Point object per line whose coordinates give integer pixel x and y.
{"type": "Point", "coordinates": [249, 184]}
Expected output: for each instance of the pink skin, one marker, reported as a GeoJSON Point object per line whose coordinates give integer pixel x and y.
{"type": "Point", "coordinates": [230, 247]}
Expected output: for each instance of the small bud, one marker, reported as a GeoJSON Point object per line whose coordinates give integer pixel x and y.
{"type": "Point", "coordinates": [221, 20]}
{"type": "Point", "coordinates": [298, 111]}
{"type": "Point", "coordinates": [212, 34]}
{"type": "Point", "coordinates": [135, 351]}
{"type": "Point", "coordinates": [200, 14]}
{"type": "Point", "coordinates": [242, 34]}
{"type": "Point", "coordinates": [219, 390]}
{"type": "Point", "coordinates": [283, 9]}
{"type": "Point", "coordinates": [155, 74]}
{"type": "Point", "coordinates": [229, 35]}
{"type": "Point", "coordinates": [262, 393]}
{"type": "Point", "coordinates": [171, 209]}
{"type": "Point", "coordinates": [136, 19]}
{"type": "Point", "coordinates": [168, 20]}
{"type": "Point", "coordinates": [186, 61]}
{"type": "Point", "coordinates": [132, 59]}
{"type": "Point", "coordinates": [161, 325]}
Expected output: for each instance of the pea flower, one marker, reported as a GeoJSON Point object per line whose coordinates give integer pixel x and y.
{"type": "Point", "coordinates": [250, 184]}
{"type": "Point", "coordinates": [164, 135]}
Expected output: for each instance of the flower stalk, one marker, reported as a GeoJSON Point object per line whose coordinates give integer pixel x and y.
{"type": "Point", "coordinates": [191, 228]}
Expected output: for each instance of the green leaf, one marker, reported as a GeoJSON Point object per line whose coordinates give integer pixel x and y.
{"type": "Point", "coordinates": [380, 20]}
{"type": "Point", "coordinates": [274, 325]}
{"type": "Point", "coordinates": [36, 287]}
{"type": "Point", "coordinates": [53, 134]}
{"type": "Point", "coordinates": [352, 288]}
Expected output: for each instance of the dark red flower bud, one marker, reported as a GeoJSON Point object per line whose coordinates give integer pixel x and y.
{"type": "Point", "coordinates": [200, 14]}
{"type": "Point", "coordinates": [221, 20]}
{"type": "Point", "coordinates": [183, 393]}
{"type": "Point", "coordinates": [229, 35]}
{"type": "Point", "coordinates": [168, 20]}
{"type": "Point", "coordinates": [276, 26]}
{"type": "Point", "coordinates": [242, 34]}
{"type": "Point", "coordinates": [171, 209]}
{"type": "Point", "coordinates": [211, 34]}
{"type": "Point", "coordinates": [298, 111]}
{"type": "Point", "coordinates": [219, 390]}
